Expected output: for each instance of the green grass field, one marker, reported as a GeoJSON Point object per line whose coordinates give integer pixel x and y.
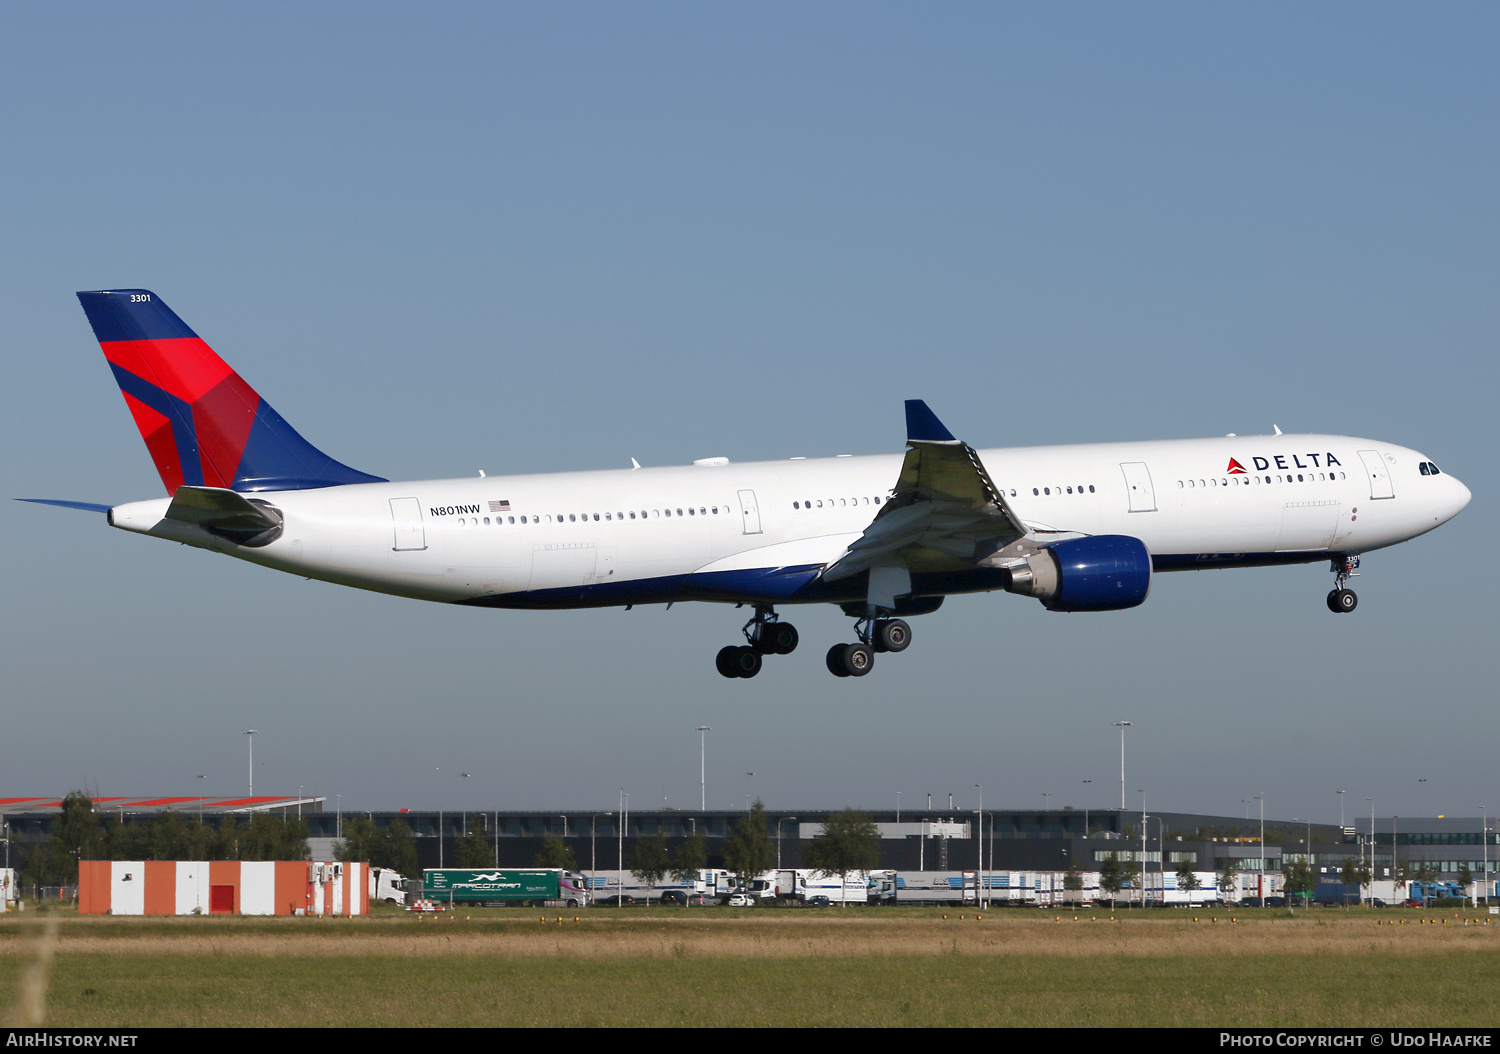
{"type": "Point", "coordinates": [721, 967]}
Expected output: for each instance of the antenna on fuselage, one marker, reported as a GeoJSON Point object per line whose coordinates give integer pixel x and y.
{"type": "Point", "coordinates": [1278, 429]}
{"type": "Point", "coordinates": [634, 463]}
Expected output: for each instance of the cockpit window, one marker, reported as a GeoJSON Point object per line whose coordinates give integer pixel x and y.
{"type": "Point", "coordinates": [1435, 470]}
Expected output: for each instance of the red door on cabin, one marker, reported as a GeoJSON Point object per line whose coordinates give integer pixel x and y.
{"type": "Point", "coordinates": [221, 900]}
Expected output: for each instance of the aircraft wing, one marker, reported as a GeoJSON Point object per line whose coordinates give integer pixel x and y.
{"type": "Point", "coordinates": [945, 513]}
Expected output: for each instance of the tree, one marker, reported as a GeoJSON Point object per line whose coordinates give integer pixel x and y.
{"type": "Point", "coordinates": [75, 836]}
{"type": "Point", "coordinates": [226, 840]}
{"type": "Point", "coordinates": [749, 850]}
{"type": "Point", "coordinates": [1465, 877]}
{"type": "Point", "coordinates": [1073, 878]}
{"type": "Point", "coordinates": [849, 842]}
{"type": "Point", "coordinates": [272, 838]}
{"type": "Point", "coordinates": [399, 850]}
{"type": "Point", "coordinates": [391, 847]}
{"type": "Point", "coordinates": [173, 836]}
{"type": "Point", "coordinates": [1402, 873]}
{"type": "Point", "coordinates": [690, 857]}
{"type": "Point", "coordinates": [1111, 877]}
{"type": "Point", "coordinates": [1131, 869]}
{"type": "Point", "coordinates": [1187, 878]}
{"type": "Point", "coordinates": [1227, 877]}
{"type": "Point", "coordinates": [555, 853]}
{"type": "Point", "coordinates": [475, 850]}
{"type": "Point", "coordinates": [1298, 879]}
{"type": "Point", "coordinates": [361, 841]}
{"type": "Point", "coordinates": [649, 861]}
{"type": "Point", "coordinates": [123, 841]}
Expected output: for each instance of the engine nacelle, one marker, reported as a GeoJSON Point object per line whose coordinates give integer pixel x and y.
{"type": "Point", "coordinates": [1107, 572]}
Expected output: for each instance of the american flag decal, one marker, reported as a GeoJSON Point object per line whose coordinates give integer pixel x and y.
{"type": "Point", "coordinates": [499, 506]}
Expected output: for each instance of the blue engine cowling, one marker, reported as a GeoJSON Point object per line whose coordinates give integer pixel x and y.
{"type": "Point", "coordinates": [1107, 572]}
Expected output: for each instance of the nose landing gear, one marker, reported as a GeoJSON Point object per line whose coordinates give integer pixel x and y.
{"type": "Point", "coordinates": [766, 635]}
{"type": "Point", "coordinates": [1342, 599]}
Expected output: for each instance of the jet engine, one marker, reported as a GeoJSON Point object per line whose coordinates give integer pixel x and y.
{"type": "Point", "coordinates": [1107, 572]}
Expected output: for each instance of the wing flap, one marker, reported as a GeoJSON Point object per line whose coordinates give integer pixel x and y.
{"type": "Point", "coordinates": [944, 513]}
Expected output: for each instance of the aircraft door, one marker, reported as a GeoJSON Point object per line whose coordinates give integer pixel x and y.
{"type": "Point", "coordinates": [406, 513]}
{"type": "Point", "coordinates": [1138, 486]}
{"type": "Point", "coordinates": [749, 512]}
{"type": "Point", "coordinates": [1378, 475]}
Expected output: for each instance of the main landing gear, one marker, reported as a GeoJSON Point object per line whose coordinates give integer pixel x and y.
{"type": "Point", "coordinates": [1343, 600]}
{"type": "Point", "coordinates": [767, 635]}
{"type": "Point", "coordinates": [875, 634]}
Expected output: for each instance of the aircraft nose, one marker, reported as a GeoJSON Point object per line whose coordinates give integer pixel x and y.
{"type": "Point", "coordinates": [1461, 497]}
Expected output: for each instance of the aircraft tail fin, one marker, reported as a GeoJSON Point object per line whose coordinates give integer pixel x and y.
{"type": "Point", "coordinates": [203, 425]}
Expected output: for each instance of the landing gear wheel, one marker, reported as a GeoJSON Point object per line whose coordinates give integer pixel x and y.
{"type": "Point", "coordinates": [857, 659]}
{"type": "Point", "coordinates": [836, 660]}
{"type": "Point", "coordinates": [746, 662]}
{"type": "Point", "coordinates": [726, 659]}
{"type": "Point", "coordinates": [777, 638]}
{"type": "Point", "coordinates": [738, 661]}
{"type": "Point", "coordinates": [1341, 601]}
{"type": "Point", "coordinates": [892, 635]}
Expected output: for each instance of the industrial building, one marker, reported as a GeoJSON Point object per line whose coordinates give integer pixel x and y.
{"type": "Point", "coordinates": [1029, 840]}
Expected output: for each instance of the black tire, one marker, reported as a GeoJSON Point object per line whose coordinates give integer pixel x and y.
{"type": "Point", "coordinates": [746, 662]}
{"type": "Point", "coordinates": [726, 661]}
{"type": "Point", "coordinates": [779, 638]}
{"type": "Point", "coordinates": [1347, 601]}
{"type": "Point", "coordinates": [836, 660]}
{"type": "Point", "coordinates": [892, 634]}
{"type": "Point", "coordinates": [858, 659]}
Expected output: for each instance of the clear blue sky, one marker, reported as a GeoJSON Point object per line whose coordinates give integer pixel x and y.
{"type": "Point", "coordinates": [546, 237]}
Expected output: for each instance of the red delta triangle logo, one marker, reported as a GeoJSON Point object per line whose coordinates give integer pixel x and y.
{"type": "Point", "coordinates": [1235, 468]}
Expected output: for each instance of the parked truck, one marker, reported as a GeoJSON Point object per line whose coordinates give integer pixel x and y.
{"type": "Point", "coordinates": [538, 886]}
{"type": "Point", "coordinates": [387, 885]}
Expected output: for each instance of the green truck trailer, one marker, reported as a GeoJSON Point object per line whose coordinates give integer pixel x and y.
{"type": "Point", "coordinates": [539, 886]}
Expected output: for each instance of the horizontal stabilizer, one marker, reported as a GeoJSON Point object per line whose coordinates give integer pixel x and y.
{"type": "Point", "coordinates": [86, 506]}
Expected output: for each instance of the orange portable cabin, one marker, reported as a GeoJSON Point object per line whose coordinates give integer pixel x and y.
{"type": "Point", "coordinates": [222, 887]}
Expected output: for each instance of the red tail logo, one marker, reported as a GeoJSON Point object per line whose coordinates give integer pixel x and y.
{"type": "Point", "coordinates": [1235, 468]}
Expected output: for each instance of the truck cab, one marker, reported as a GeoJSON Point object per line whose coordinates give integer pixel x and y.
{"type": "Point", "coordinates": [388, 886]}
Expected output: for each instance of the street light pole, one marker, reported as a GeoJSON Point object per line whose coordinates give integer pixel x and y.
{"type": "Point", "coordinates": [1484, 840]}
{"type": "Point", "coordinates": [1261, 878]}
{"type": "Point", "coordinates": [1122, 726]}
{"type": "Point", "coordinates": [251, 743]}
{"type": "Point", "coordinates": [703, 731]}
{"type": "Point", "coordinates": [979, 890]}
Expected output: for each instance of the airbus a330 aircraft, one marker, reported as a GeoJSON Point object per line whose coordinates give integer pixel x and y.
{"type": "Point", "coordinates": [1080, 528]}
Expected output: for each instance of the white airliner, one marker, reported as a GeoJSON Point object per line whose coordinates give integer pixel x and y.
{"type": "Point", "coordinates": [1080, 528]}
